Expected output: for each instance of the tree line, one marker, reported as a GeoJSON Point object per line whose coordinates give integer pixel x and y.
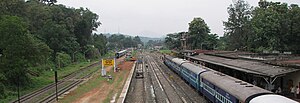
{"type": "Point", "coordinates": [36, 34]}
{"type": "Point", "coordinates": [197, 37]}
{"type": "Point", "coordinates": [39, 35]}
{"type": "Point", "coordinates": [120, 42]}
{"type": "Point", "coordinates": [268, 27]}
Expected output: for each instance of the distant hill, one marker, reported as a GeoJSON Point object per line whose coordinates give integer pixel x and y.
{"type": "Point", "coordinates": [146, 39]}
{"type": "Point", "coordinates": [143, 39]}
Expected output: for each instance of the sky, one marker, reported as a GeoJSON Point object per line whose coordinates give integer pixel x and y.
{"type": "Point", "coordinates": [156, 18]}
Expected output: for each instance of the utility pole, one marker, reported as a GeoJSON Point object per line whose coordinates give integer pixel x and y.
{"type": "Point", "coordinates": [74, 56]}
{"type": "Point", "coordinates": [19, 89]}
{"type": "Point", "coordinates": [55, 73]}
{"type": "Point", "coordinates": [1, 52]}
{"type": "Point", "coordinates": [56, 94]}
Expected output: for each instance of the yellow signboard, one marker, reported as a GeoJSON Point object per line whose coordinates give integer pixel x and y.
{"type": "Point", "coordinates": [108, 62]}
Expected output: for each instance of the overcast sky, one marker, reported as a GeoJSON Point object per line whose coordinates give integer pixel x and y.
{"type": "Point", "coordinates": [155, 18]}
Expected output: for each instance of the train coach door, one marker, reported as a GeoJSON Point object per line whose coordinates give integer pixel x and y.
{"type": "Point", "coordinates": [200, 85]}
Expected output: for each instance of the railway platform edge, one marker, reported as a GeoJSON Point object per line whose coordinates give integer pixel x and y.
{"type": "Point", "coordinates": [126, 85]}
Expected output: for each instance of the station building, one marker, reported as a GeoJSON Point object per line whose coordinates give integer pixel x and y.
{"type": "Point", "coordinates": [268, 71]}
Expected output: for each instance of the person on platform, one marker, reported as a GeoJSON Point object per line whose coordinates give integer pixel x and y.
{"type": "Point", "coordinates": [278, 91]}
{"type": "Point", "coordinates": [293, 91]}
{"type": "Point", "coordinates": [297, 92]}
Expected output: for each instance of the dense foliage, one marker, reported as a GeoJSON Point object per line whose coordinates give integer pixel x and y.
{"type": "Point", "coordinates": [270, 26]}
{"type": "Point", "coordinates": [237, 28]}
{"type": "Point", "coordinates": [197, 37]}
{"type": "Point", "coordinates": [173, 40]}
{"type": "Point", "coordinates": [119, 41]}
{"type": "Point", "coordinates": [39, 33]}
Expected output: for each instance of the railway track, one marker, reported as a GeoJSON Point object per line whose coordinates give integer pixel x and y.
{"type": "Point", "coordinates": [167, 92]}
{"type": "Point", "coordinates": [31, 97]}
{"type": "Point", "coordinates": [178, 89]}
{"type": "Point", "coordinates": [161, 85]}
{"type": "Point", "coordinates": [137, 87]}
{"type": "Point", "coordinates": [52, 97]}
{"type": "Point", "coordinates": [182, 87]}
{"type": "Point", "coordinates": [148, 84]}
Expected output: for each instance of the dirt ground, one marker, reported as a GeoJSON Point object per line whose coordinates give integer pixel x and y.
{"type": "Point", "coordinates": [107, 89]}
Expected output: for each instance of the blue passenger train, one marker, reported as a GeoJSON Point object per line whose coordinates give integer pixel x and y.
{"type": "Point", "coordinates": [120, 53]}
{"type": "Point", "coordinates": [220, 88]}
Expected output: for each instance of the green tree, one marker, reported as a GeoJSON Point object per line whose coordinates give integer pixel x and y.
{"type": "Point", "coordinates": [115, 41]}
{"type": "Point", "coordinates": [32, 30]}
{"type": "Point", "coordinates": [12, 7]}
{"type": "Point", "coordinates": [211, 42]}
{"type": "Point", "coordinates": [137, 40]}
{"type": "Point", "coordinates": [20, 50]}
{"type": "Point", "coordinates": [198, 33]}
{"type": "Point", "coordinates": [100, 42]}
{"type": "Point", "coordinates": [86, 25]}
{"type": "Point", "coordinates": [63, 59]}
{"type": "Point", "coordinates": [172, 41]}
{"type": "Point", "coordinates": [36, 15]}
{"type": "Point", "coordinates": [221, 44]}
{"type": "Point", "coordinates": [293, 37]}
{"type": "Point", "coordinates": [272, 27]}
{"type": "Point", "coordinates": [127, 42]}
{"type": "Point", "coordinates": [238, 27]}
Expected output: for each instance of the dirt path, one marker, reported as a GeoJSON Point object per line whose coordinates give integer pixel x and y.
{"type": "Point", "coordinates": [105, 90]}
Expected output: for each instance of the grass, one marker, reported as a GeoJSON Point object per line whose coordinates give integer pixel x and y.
{"type": "Point", "coordinates": [88, 86]}
{"type": "Point", "coordinates": [46, 78]}
{"type": "Point", "coordinates": [134, 53]}
{"type": "Point", "coordinates": [118, 83]}
{"type": "Point", "coordinates": [165, 51]}
{"type": "Point", "coordinates": [112, 92]}
{"type": "Point", "coordinates": [109, 54]}
{"type": "Point", "coordinates": [96, 82]}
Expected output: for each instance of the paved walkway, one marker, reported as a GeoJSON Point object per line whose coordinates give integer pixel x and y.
{"type": "Point", "coordinates": [126, 86]}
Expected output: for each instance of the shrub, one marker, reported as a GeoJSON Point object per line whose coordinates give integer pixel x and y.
{"type": "Point", "coordinates": [63, 59]}
{"type": "Point", "coordinates": [79, 57]}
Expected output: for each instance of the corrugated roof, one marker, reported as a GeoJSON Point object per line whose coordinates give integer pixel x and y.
{"type": "Point", "coordinates": [233, 86]}
{"type": "Point", "coordinates": [193, 68]}
{"type": "Point", "coordinates": [179, 61]}
{"type": "Point", "coordinates": [247, 66]}
{"type": "Point", "coordinates": [169, 57]}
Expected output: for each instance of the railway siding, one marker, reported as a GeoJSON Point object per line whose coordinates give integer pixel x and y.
{"type": "Point", "coordinates": [49, 89]}
{"type": "Point", "coordinates": [161, 85]}
{"type": "Point", "coordinates": [126, 86]}
{"type": "Point", "coordinates": [169, 90]}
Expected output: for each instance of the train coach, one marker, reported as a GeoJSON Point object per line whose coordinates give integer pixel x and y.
{"type": "Point", "coordinates": [120, 53]}
{"type": "Point", "coordinates": [174, 63]}
{"type": "Point", "coordinates": [220, 88]}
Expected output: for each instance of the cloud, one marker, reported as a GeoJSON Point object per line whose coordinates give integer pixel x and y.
{"type": "Point", "coordinates": [155, 18]}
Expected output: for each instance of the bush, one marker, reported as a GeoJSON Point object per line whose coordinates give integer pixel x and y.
{"type": "Point", "coordinates": [95, 54]}
{"type": "Point", "coordinates": [261, 49]}
{"type": "Point", "coordinates": [2, 91]}
{"type": "Point", "coordinates": [63, 59]}
{"type": "Point", "coordinates": [79, 57]}
{"type": "Point", "coordinates": [2, 87]}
